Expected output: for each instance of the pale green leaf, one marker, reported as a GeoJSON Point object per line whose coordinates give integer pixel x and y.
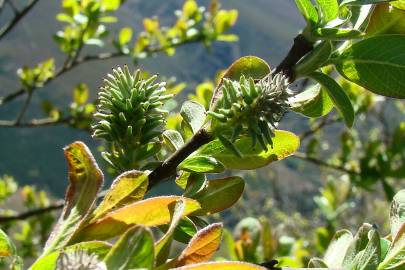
{"type": "Point", "coordinates": [284, 144]}
{"type": "Point", "coordinates": [308, 10]}
{"type": "Point", "coordinates": [134, 250]}
{"type": "Point", "coordinates": [336, 33]}
{"type": "Point", "coordinates": [219, 195]}
{"type": "Point", "coordinates": [376, 63]}
{"type": "Point", "coordinates": [338, 96]}
{"type": "Point", "coordinates": [85, 180]}
{"type": "Point", "coordinates": [329, 10]}
{"type": "Point", "coordinates": [313, 102]}
{"type": "Point", "coordinates": [193, 114]}
{"type": "Point", "coordinates": [201, 164]}
{"type": "Point", "coordinates": [397, 213]}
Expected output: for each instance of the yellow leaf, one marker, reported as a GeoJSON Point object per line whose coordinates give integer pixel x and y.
{"type": "Point", "coordinates": [202, 246]}
{"type": "Point", "coordinates": [222, 266]}
{"type": "Point", "coordinates": [150, 212]}
{"type": "Point", "coordinates": [129, 187]}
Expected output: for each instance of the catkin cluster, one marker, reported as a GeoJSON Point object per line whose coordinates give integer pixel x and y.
{"type": "Point", "coordinates": [130, 117]}
{"type": "Point", "coordinates": [251, 107]}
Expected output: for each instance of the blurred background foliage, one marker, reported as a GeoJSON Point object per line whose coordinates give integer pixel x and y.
{"type": "Point", "coordinates": [61, 48]}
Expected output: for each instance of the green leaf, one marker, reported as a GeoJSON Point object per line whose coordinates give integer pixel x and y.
{"type": "Point", "coordinates": [127, 188]}
{"type": "Point", "coordinates": [81, 94]}
{"type": "Point", "coordinates": [125, 35]}
{"type": "Point", "coordinates": [308, 10]}
{"type": "Point", "coordinates": [314, 59]}
{"type": "Point", "coordinates": [369, 258]}
{"type": "Point", "coordinates": [133, 250]}
{"type": "Point", "coordinates": [7, 247]}
{"type": "Point", "coordinates": [201, 164]}
{"type": "Point", "coordinates": [329, 10]}
{"type": "Point", "coordinates": [337, 248]}
{"type": "Point", "coordinates": [173, 139]}
{"type": "Point", "coordinates": [284, 144]}
{"type": "Point", "coordinates": [313, 102]}
{"type": "Point", "coordinates": [193, 114]}
{"type": "Point", "coordinates": [49, 262]}
{"type": "Point", "coordinates": [195, 183]}
{"type": "Point", "coordinates": [397, 213]}
{"type": "Point", "coordinates": [336, 33]}
{"type": "Point", "coordinates": [249, 66]}
{"type": "Point", "coordinates": [376, 63]}
{"type": "Point", "coordinates": [394, 260]}
{"type": "Point", "coordinates": [386, 20]}
{"type": "Point", "coordinates": [362, 2]}
{"type": "Point", "coordinates": [162, 247]}
{"type": "Point", "coordinates": [358, 244]}
{"type": "Point", "coordinates": [185, 230]}
{"type": "Point", "coordinates": [219, 195]}
{"type": "Point", "coordinates": [85, 180]}
{"type": "Point", "coordinates": [338, 96]}
{"type": "Point", "coordinates": [400, 4]}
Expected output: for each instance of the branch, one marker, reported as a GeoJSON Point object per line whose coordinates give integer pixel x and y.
{"type": "Point", "coordinates": [34, 212]}
{"type": "Point", "coordinates": [35, 122]}
{"type": "Point", "coordinates": [97, 57]}
{"type": "Point", "coordinates": [19, 15]}
{"type": "Point", "coordinates": [323, 163]}
{"type": "Point", "coordinates": [300, 48]}
{"type": "Point", "coordinates": [324, 122]}
{"type": "Point", "coordinates": [168, 167]}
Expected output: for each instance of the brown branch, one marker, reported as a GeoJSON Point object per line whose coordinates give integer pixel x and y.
{"type": "Point", "coordinates": [323, 123]}
{"type": "Point", "coordinates": [323, 163]}
{"type": "Point", "coordinates": [97, 57]}
{"type": "Point", "coordinates": [301, 47]}
{"type": "Point", "coordinates": [169, 166]}
{"type": "Point", "coordinates": [33, 212]}
{"type": "Point", "coordinates": [19, 15]}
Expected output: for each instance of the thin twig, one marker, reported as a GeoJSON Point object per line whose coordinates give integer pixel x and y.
{"type": "Point", "coordinates": [321, 124]}
{"type": "Point", "coordinates": [323, 163]}
{"type": "Point", "coordinates": [35, 122]}
{"type": "Point", "coordinates": [23, 109]}
{"type": "Point", "coordinates": [168, 167]}
{"type": "Point", "coordinates": [97, 57]}
{"type": "Point", "coordinates": [19, 15]}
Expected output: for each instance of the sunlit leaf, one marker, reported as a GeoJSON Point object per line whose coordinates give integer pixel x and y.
{"type": "Point", "coordinates": [397, 213]}
{"type": "Point", "coordinates": [202, 246]}
{"type": "Point", "coordinates": [85, 180]}
{"type": "Point", "coordinates": [150, 212]}
{"type": "Point", "coordinates": [338, 96]}
{"type": "Point", "coordinates": [284, 144]}
{"type": "Point", "coordinates": [201, 164]}
{"type": "Point", "coordinates": [7, 248]}
{"type": "Point", "coordinates": [337, 248]}
{"type": "Point", "coordinates": [222, 266]}
{"type": "Point", "coordinates": [313, 102]}
{"type": "Point", "coordinates": [219, 195]}
{"type": "Point", "coordinates": [376, 63]}
{"type": "Point", "coordinates": [127, 188]}
{"type": "Point", "coordinates": [134, 250]}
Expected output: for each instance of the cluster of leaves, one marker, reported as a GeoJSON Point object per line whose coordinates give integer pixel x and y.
{"type": "Point", "coordinates": [31, 234]}
{"type": "Point", "coordinates": [345, 35]}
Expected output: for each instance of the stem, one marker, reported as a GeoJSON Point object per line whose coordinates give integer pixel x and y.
{"type": "Point", "coordinates": [300, 47]}
{"type": "Point", "coordinates": [168, 167]}
{"type": "Point", "coordinates": [35, 122]}
{"type": "Point", "coordinates": [19, 15]}
{"type": "Point", "coordinates": [24, 108]}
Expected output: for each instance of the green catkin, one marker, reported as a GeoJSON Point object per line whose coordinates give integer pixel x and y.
{"type": "Point", "coordinates": [130, 116]}
{"type": "Point", "coordinates": [250, 107]}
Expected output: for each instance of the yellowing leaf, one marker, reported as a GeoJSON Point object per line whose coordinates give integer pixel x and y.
{"type": "Point", "coordinates": [7, 248]}
{"type": "Point", "coordinates": [129, 187]}
{"type": "Point", "coordinates": [85, 180]}
{"type": "Point", "coordinates": [151, 25]}
{"type": "Point", "coordinates": [284, 144]}
{"type": "Point", "coordinates": [222, 266]}
{"type": "Point", "coordinates": [219, 194]}
{"type": "Point", "coordinates": [125, 35]}
{"type": "Point", "coordinates": [202, 246]}
{"type": "Point", "coordinates": [150, 212]}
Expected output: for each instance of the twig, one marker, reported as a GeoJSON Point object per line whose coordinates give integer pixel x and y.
{"type": "Point", "coordinates": [323, 163]}
{"type": "Point", "coordinates": [19, 15]}
{"type": "Point", "coordinates": [168, 167]}
{"type": "Point", "coordinates": [23, 108]}
{"type": "Point", "coordinates": [300, 48]}
{"type": "Point", "coordinates": [35, 122]}
{"type": "Point", "coordinates": [97, 57]}
{"type": "Point", "coordinates": [34, 212]}
{"type": "Point", "coordinates": [324, 122]}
